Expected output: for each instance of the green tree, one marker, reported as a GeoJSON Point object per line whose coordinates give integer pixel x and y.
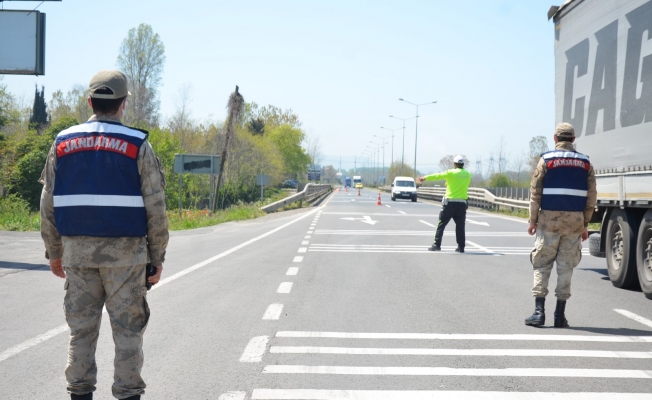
{"type": "Point", "coordinates": [256, 126]}
{"type": "Point", "coordinates": [288, 139]}
{"type": "Point", "coordinates": [32, 152]}
{"type": "Point", "coordinates": [141, 59]}
{"type": "Point", "coordinates": [39, 117]}
{"type": "Point", "coordinates": [499, 180]}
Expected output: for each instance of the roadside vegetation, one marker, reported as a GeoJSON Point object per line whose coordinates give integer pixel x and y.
{"type": "Point", "coordinates": [263, 140]}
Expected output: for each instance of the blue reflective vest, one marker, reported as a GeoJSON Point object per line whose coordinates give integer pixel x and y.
{"type": "Point", "coordinates": [565, 186]}
{"type": "Point", "coordinates": [97, 184]}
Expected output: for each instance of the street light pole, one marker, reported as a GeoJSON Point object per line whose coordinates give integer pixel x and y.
{"type": "Point", "coordinates": [403, 146]}
{"type": "Point", "coordinates": [416, 129]}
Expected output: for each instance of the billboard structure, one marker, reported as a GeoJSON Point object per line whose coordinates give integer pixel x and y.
{"type": "Point", "coordinates": [22, 42]}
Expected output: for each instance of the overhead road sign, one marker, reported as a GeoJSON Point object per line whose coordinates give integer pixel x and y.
{"type": "Point", "coordinates": [22, 42]}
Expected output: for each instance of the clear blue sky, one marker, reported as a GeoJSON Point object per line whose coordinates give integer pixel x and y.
{"type": "Point", "coordinates": [340, 64]}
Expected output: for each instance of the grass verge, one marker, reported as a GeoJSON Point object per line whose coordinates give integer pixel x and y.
{"type": "Point", "coordinates": [15, 215]}
{"type": "Point", "coordinates": [191, 219]}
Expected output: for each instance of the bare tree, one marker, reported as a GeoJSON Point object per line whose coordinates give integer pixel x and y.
{"type": "Point", "coordinates": [182, 114]}
{"type": "Point", "coordinates": [538, 146]}
{"type": "Point", "coordinates": [446, 162]}
{"type": "Point", "coordinates": [141, 59]}
{"type": "Point", "coordinates": [313, 148]}
{"type": "Point", "coordinates": [520, 164]}
{"type": "Point", "coordinates": [502, 156]}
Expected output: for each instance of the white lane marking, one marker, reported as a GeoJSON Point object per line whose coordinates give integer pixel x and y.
{"type": "Point", "coordinates": [388, 206]}
{"type": "Point", "coordinates": [415, 233]}
{"type": "Point", "coordinates": [298, 259]}
{"type": "Point", "coordinates": [292, 271]}
{"type": "Point", "coordinates": [233, 396]}
{"type": "Point", "coordinates": [459, 352]}
{"type": "Point", "coordinates": [226, 253]}
{"type": "Point", "coordinates": [32, 342]}
{"type": "Point", "coordinates": [273, 312]}
{"type": "Point", "coordinates": [477, 223]}
{"type": "Point", "coordinates": [427, 223]}
{"type": "Point", "coordinates": [466, 336]}
{"type": "Point", "coordinates": [285, 287]}
{"type": "Point", "coordinates": [302, 249]}
{"type": "Point", "coordinates": [307, 237]}
{"type": "Point", "coordinates": [635, 317]}
{"type": "Point", "coordinates": [444, 371]}
{"type": "Point", "coordinates": [62, 328]}
{"type": "Point", "coordinates": [366, 219]}
{"type": "Point", "coordinates": [486, 250]}
{"type": "Point", "coordinates": [255, 349]}
{"type": "Point", "coordinates": [305, 242]}
{"type": "Point", "coordinates": [402, 212]}
{"type": "Point", "coordinates": [327, 394]}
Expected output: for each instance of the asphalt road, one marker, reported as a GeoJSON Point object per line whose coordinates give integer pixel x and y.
{"type": "Point", "coordinates": [342, 301]}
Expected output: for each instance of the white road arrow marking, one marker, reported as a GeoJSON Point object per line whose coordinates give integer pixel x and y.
{"type": "Point", "coordinates": [477, 223]}
{"type": "Point", "coordinates": [366, 219]}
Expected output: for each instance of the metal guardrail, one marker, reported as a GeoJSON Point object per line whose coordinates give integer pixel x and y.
{"type": "Point", "coordinates": [478, 197]}
{"type": "Point", "coordinates": [309, 193]}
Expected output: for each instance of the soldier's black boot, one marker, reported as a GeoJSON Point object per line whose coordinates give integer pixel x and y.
{"type": "Point", "coordinates": [87, 396]}
{"type": "Point", "coordinates": [134, 397]}
{"type": "Point", "coordinates": [539, 316]}
{"type": "Point", "coordinates": [434, 247]}
{"type": "Point", "coordinates": [560, 318]}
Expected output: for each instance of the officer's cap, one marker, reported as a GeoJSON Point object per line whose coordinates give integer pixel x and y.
{"type": "Point", "coordinates": [565, 130]}
{"type": "Point", "coordinates": [113, 83]}
{"type": "Point", "coordinates": [458, 159]}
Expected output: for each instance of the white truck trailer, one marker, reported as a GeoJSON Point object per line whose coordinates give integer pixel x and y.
{"type": "Point", "coordinates": [603, 86]}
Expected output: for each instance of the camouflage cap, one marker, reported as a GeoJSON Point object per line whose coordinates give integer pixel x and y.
{"type": "Point", "coordinates": [565, 130]}
{"type": "Point", "coordinates": [114, 83]}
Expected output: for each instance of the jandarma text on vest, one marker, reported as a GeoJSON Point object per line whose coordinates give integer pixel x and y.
{"type": "Point", "coordinates": [568, 162]}
{"type": "Point", "coordinates": [96, 142]}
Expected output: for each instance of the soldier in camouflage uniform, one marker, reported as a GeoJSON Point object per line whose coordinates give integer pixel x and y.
{"type": "Point", "coordinates": [562, 199]}
{"type": "Point", "coordinates": [100, 239]}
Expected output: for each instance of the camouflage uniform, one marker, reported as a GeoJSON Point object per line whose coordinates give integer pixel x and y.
{"type": "Point", "coordinates": [108, 271]}
{"type": "Point", "coordinates": [559, 234]}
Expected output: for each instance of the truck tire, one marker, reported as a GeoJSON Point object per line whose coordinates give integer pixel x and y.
{"type": "Point", "coordinates": [594, 246]}
{"type": "Point", "coordinates": [644, 254]}
{"type": "Point", "coordinates": [621, 249]}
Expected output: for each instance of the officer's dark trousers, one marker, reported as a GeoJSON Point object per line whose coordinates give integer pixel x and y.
{"type": "Point", "coordinates": [456, 211]}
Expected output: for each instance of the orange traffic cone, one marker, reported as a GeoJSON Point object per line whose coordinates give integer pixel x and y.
{"type": "Point", "coordinates": [378, 203]}
{"type": "Point", "coordinates": [358, 192]}
{"type": "Point", "coordinates": [347, 189]}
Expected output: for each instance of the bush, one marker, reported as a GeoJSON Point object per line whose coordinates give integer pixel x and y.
{"type": "Point", "coordinates": [499, 180]}
{"type": "Point", "coordinates": [15, 215]}
{"type": "Point", "coordinates": [32, 153]}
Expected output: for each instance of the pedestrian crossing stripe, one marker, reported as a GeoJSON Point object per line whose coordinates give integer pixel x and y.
{"type": "Point", "coordinates": [326, 394]}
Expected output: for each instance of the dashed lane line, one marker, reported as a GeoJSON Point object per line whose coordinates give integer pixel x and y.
{"type": "Point", "coordinates": [285, 287]}
{"type": "Point", "coordinates": [292, 271]}
{"type": "Point", "coordinates": [427, 223]}
{"type": "Point", "coordinates": [273, 312]}
{"type": "Point", "coordinates": [635, 317]}
{"type": "Point", "coordinates": [302, 249]}
{"type": "Point", "coordinates": [297, 259]}
{"type": "Point", "coordinates": [402, 212]}
{"type": "Point", "coordinates": [233, 396]}
{"type": "Point", "coordinates": [255, 349]}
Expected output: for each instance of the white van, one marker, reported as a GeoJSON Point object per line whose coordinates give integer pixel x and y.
{"type": "Point", "coordinates": [404, 188]}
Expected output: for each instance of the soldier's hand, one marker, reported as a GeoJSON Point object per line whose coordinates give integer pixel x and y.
{"type": "Point", "coordinates": [157, 276]}
{"type": "Point", "coordinates": [532, 229]}
{"type": "Point", "coordinates": [585, 234]}
{"type": "Point", "coordinates": [57, 268]}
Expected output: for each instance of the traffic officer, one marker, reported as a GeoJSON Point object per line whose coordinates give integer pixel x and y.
{"type": "Point", "coordinates": [102, 220]}
{"type": "Point", "coordinates": [562, 199]}
{"type": "Point", "coordinates": [454, 203]}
